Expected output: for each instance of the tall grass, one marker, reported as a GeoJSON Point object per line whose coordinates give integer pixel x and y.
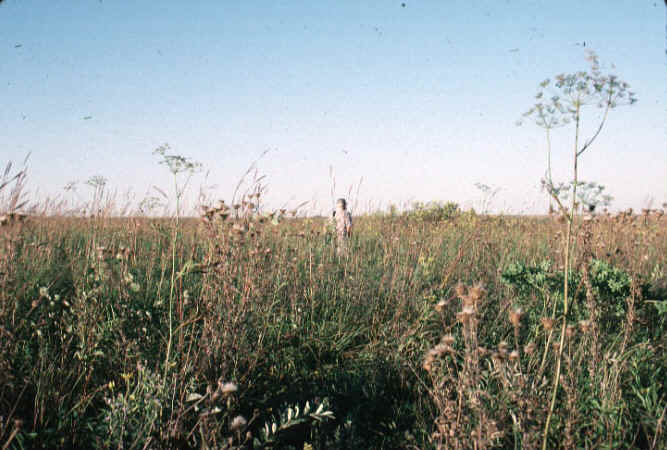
{"type": "Point", "coordinates": [434, 332]}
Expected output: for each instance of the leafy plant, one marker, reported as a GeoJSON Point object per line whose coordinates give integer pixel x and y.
{"type": "Point", "coordinates": [433, 211]}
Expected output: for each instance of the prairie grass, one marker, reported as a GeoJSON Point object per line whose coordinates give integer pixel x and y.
{"type": "Point", "coordinates": [431, 333]}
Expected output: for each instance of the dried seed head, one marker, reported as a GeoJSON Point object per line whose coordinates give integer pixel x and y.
{"type": "Point", "coordinates": [432, 353]}
{"type": "Point", "coordinates": [585, 326]}
{"type": "Point", "coordinates": [570, 330]}
{"type": "Point", "coordinates": [237, 423]}
{"type": "Point", "coordinates": [240, 228]}
{"type": "Point", "coordinates": [529, 348]}
{"type": "Point", "coordinates": [428, 364]}
{"type": "Point", "coordinates": [439, 349]}
{"type": "Point", "coordinates": [514, 355]}
{"type": "Point", "coordinates": [477, 292]}
{"type": "Point", "coordinates": [228, 388]}
{"type": "Point", "coordinates": [502, 347]}
{"type": "Point", "coordinates": [460, 289]}
{"type": "Point", "coordinates": [547, 323]}
{"type": "Point", "coordinates": [466, 313]}
{"type": "Point", "coordinates": [515, 317]}
{"type": "Point", "coordinates": [440, 306]}
{"type": "Point", "coordinates": [448, 339]}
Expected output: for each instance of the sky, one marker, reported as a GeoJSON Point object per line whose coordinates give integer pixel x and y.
{"type": "Point", "coordinates": [401, 101]}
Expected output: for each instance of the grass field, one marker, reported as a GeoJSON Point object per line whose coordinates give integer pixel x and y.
{"type": "Point", "coordinates": [431, 333]}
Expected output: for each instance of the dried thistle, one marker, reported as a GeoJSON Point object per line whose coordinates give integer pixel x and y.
{"type": "Point", "coordinates": [515, 317]}
{"type": "Point", "coordinates": [477, 292]}
{"type": "Point", "coordinates": [547, 323]}
{"type": "Point", "coordinates": [447, 339]}
{"type": "Point", "coordinates": [460, 289]}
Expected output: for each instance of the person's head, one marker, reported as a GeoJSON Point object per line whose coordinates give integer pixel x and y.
{"type": "Point", "coordinates": [341, 203]}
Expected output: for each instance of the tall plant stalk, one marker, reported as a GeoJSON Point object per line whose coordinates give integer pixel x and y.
{"type": "Point", "coordinates": [562, 105]}
{"type": "Point", "coordinates": [177, 165]}
{"type": "Point", "coordinates": [566, 277]}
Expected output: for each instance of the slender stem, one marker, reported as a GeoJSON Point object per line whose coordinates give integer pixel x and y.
{"type": "Point", "coordinates": [549, 154]}
{"type": "Point", "coordinates": [172, 282]}
{"type": "Point", "coordinates": [566, 268]}
{"type": "Point", "coordinates": [602, 122]}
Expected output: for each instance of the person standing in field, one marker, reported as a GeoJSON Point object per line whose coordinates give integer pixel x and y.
{"type": "Point", "coordinates": [342, 220]}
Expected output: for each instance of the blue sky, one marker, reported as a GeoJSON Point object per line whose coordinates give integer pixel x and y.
{"type": "Point", "coordinates": [420, 101]}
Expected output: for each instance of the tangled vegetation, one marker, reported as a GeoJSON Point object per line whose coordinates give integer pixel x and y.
{"type": "Point", "coordinates": [244, 330]}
